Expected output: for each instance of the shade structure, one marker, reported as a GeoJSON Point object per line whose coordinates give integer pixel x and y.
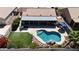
{"type": "Point", "coordinates": [39, 18]}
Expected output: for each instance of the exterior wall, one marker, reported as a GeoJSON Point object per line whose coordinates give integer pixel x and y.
{"type": "Point", "coordinates": [68, 19]}
{"type": "Point", "coordinates": [9, 20]}
{"type": "Point", "coordinates": [67, 16]}
{"type": "Point", "coordinates": [72, 23]}
{"type": "Point", "coordinates": [5, 31]}
{"type": "Point", "coordinates": [8, 31]}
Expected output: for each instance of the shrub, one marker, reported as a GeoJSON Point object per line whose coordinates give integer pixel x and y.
{"type": "Point", "coordinates": [15, 24]}
{"type": "Point", "coordinates": [74, 36]}
{"type": "Point", "coordinates": [3, 42]}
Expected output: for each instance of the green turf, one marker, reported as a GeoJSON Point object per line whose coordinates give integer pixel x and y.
{"type": "Point", "coordinates": [20, 40]}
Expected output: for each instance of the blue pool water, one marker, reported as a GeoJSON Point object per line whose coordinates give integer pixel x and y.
{"type": "Point", "coordinates": [49, 36]}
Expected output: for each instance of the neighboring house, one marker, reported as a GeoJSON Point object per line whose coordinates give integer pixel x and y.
{"type": "Point", "coordinates": [71, 15]}
{"type": "Point", "coordinates": [38, 16]}
{"type": "Point", "coordinates": [6, 14]}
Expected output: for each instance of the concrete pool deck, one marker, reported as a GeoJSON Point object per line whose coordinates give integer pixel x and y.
{"type": "Point", "coordinates": [33, 31]}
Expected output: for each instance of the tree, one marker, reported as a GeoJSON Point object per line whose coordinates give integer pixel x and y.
{"type": "Point", "coordinates": [74, 36]}
{"type": "Point", "coordinates": [15, 24]}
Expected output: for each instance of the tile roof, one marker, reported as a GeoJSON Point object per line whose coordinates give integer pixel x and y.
{"type": "Point", "coordinates": [74, 13]}
{"type": "Point", "coordinates": [5, 11]}
{"type": "Point", "coordinates": [39, 12]}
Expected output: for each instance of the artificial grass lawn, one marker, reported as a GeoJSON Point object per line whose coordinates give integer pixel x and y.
{"type": "Point", "coordinates": [20, 40]}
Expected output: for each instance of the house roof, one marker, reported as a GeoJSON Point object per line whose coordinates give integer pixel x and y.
{"type": "Point", "coordinates": [37, 18]}
{"type": "Point", "coordinates": [39, 12]}
{"type": "Point", "coordinates": [74, 13]}
{"type": "Point", "coordinates": [5, 11]}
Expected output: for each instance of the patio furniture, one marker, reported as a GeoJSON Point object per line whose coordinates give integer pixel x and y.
{"type": "Point", "coordinates": [57, 24]}
{"type": "Point", "coordinates": [23, 28]}
{"type": "Point", "coordinates": [63, 25]}
{"type": "Point", "coordinates": [61, 30]}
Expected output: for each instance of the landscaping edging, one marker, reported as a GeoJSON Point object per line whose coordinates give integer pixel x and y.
{"type": "Point", "coordinates": [39, 49]}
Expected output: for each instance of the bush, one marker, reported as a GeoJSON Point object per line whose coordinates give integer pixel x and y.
{"type": "Point", "coordinates": [15, 24]}
{"type": "Point", "coordinates": [74, 36]}
{"type": "Point", "coordinates": [3, 42]}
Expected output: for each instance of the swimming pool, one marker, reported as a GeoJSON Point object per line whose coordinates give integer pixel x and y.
{"type": "Point", "coordinates": [49, 36]}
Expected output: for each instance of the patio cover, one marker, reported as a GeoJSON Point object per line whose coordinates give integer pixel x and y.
{"type": "Point", "coordinates": [39, 18]}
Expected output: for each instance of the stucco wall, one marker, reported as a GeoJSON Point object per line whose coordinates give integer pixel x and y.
{"type": "Point", "coordinates": [8, 31]}
{"type": "Point", "coordinates": [67, 16]}
{"type": "Point", "coordinates": [2, 21]}
{"type": "Point", "coordinates": [5, 31]}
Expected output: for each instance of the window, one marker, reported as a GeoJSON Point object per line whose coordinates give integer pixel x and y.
{"type": "Point", "coordinates": [31, 22]}
{"type": "Point", "coordinates": [35, 22]}
{"type": "Point", "coordinates": [25, 23]}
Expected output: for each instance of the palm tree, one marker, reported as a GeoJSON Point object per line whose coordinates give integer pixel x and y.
{"type": "Point", "coordinates": [74, 36]}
